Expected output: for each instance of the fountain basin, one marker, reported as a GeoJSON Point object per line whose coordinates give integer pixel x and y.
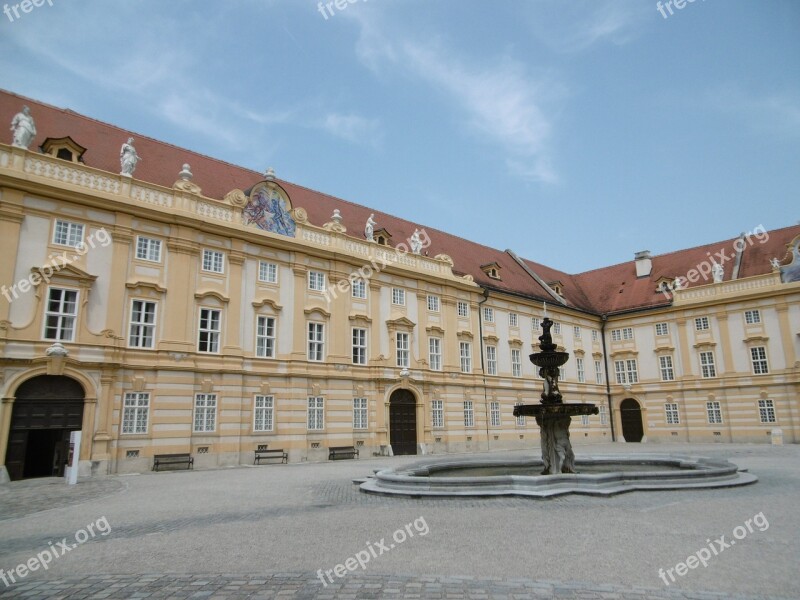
{"type": "Point", "coordinates": [604, 475]}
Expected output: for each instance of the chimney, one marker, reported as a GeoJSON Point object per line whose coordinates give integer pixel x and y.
{"type": "Point", "coordinates": [644, 263]}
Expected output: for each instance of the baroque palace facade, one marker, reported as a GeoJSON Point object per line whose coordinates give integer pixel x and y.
{"type": "Point", "coordinates": [182, 304]}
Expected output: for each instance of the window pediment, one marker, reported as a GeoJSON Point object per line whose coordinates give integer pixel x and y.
{"type": "Point", "coordinates": [68, 273]}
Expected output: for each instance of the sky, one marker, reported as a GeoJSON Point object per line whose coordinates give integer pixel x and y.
{"type": "Point", "coordinates": [575, 133]}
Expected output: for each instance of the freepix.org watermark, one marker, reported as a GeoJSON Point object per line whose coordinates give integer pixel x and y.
{"type": "Point", "coordinates": [57, 262]}
{"type": "Point", "coordinates": [45, 557]}
{"type": "Point", "coordinates": [374, 550]}
{"type": "Point", "coordinates": [373, 268]}
{"type": "Point", "coordinates": [23, 7]}
{"type": "Point", "coordinates": [714, 548]}
{"type": "Point", "coordinates": [326, 8]}
{"type": "Point", "coordinates": [666, 7]}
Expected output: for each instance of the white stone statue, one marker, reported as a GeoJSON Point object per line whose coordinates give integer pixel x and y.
{"type": "Point", "coordinates": [718, 271]}
{"type": "Point", "coordinates": [677, 284]}
{"type": "Point", "coordinates": [128, 159]}
{"type": "Point", "coordinates": [186, 172]}
{"type": "Point", "coordinates": [369, 229]}
{"type": "Point", "coordinates": [776, 264]}
{"type": "Point", "coordinates": [24, 128]}
{"type": "Point", "coordinates": [336, 217]}
{"type": "Point", "coordinates": [415, 242]}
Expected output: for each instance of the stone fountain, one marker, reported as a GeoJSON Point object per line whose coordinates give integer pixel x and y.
{"type": "Point", "coordinates": [552, 415]}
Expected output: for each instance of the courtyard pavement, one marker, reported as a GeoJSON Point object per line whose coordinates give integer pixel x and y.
{"type": "Point", "coordinates": [266, 531]}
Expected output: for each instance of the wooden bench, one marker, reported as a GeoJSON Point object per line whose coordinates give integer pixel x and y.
{"type": "Point", "coordinates": [173, 459]}
{"type": "Point", "coordinates": [263, 454]}
{"type": "Point", "coordinates": [342, 452]}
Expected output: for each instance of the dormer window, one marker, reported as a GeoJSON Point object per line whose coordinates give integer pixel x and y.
{"type": "Point", "coordinates": [382, 237]}
{"type": "Point", "coordinates": [664, 284]}
{"type": "Point", "coordinates": [492, 270]}
{"type": "Point", "coordinates": [64, 148]}
{"type": "Point", "coordinates": [557, 287]}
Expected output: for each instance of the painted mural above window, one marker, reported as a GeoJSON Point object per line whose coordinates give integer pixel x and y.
{"type": "Point", "coordinates": [269, 208]}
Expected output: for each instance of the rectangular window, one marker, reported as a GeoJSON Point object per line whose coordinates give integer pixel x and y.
{"type": "Point", "coordinates": [316, 342]}
{"type": "Point", "coordinates": [714, 412]}
{"type": "Point", "coordinates": [598, 372]}
{"type": "Point", "coordinates": [267, 272]}
{"type": "Point", "coordinates": [626, 333]}
{"type": "Point", "coordinates": [671, 413]}
{"type": "Point", "coordinates": [469, 414]}
{"type": "Point", "coordinates": [516, 363]}
{"type": "Point", "coordinates": [556, 328]}
{"type": "Point", "coordinates": [398, 296]}
{"type": "Point", "coordinates": [707, 367]}
{"type": "Point", "coordinates": [143, 324]}
{"type": "Point", "coordinates": [667, 371]}
{"type": "Point", "coordinates": [576, 332]}
{"type": "Point", "coordinates": [148, 249]}
{"type": "Point", "coordinates": [316, 281]}
{"type": "Point", "coordinates": [562, 373]}
{"type": "Point", "coordinates": [135, 412]}
{"type": "Point", "coordinates": [494, 414]}
{"type": "Point", "coordinates": [581, 370]}
{"type": "Point", "coordinates": [437, 414]}
{"type": "Point", "coordinates": [359, 413]}
{"type": "Point", "coordinates": [209, 330]}
{"type": "Point", "coordinates": [359, 289]}
{"type": "Point", "coordinates": [263, 413]}
{"type": "Point", "coordinates": [585, 420]}
{"type": "Point", "coordinates": [603, 415]}
{"type": "Point", "coordinates": [759, 357]}
{"type": "Point", "coordinates": [465, 351]}
{"type": "Point", "coordinates": [403, 352]}
{"type": "Point", "coordinates": [662, 328]}
{"type": "Point", "coordinates": [61, 315]}
{"type": "Point", "coordinates": [205, 412]}
{"type": "Point", "coordinates": [433, 303]}
{"type": "Point", "coordinates": [513, 320]}
{"type": "Point", "coordinates": [626, 371]}
{"type": "Point", "coordinates": [435, 353]}
{"type": "Point", "coordinates": [359, 346]}
{"type": "Point", "coordinates": [213, 261]}
{"type": "Point", "coordinates": [701, 324]}
{"type": "Point", "coordinates": [67, 233]}
{"type": "Point", "coordinates": [536, 325]}
{"type": "Point", "coordinates": [766, 411]}
{"type": "Point", "coordinates": [463, 309]}
{"type": "Point", "coordinates": [488, 314]}
{"type": "Point", "coordinates": [594, 335]}
{"type": "Point", "coordinates": [491, 360]}
{"type": "Point", "coordinates": [752, 317]}
{"type": "Point", "coordinates": [316, 413]}
{"type": "Point", "coordinates": [265, 337]}
{"type": "Point", "coordinates": [520, 418]}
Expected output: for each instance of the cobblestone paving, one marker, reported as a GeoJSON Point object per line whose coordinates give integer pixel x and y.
{"type": "Point", "coordinates": [299, 586]}
{"type": "Point", "coordinates": [29, 496]}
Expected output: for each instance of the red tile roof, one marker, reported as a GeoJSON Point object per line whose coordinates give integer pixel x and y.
{"type": "Point", "coordinates": [606, 290]}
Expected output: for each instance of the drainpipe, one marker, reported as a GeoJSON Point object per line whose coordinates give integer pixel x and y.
{"type": "Point", "coordinates": [483, 366]}
{"type": "Point", "coordinates": [603, 319]}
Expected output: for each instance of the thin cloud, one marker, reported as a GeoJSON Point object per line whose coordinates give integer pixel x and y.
{"type": "Point", "coordinates": [775, 113]}
{"type": "Point", "coordinates": [353, 128]}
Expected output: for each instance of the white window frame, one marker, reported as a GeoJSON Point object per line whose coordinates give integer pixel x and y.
{"type": "Point", "coordinates": [513, 320]}
{"type": "Point", "coordinates": [469, 413]}
{"type": "Point", "coordinates": [267, 272]}
{"type": "Point", "coordinates": [520, 418]}
{"type": "Point", "coordinates": [576, 332]}
{"type": "Point", "coordinates": [702, 324]}
{"type": "Point", "coordinates": [465, 354]}
{"type": "Point", "coordinates": [666, 367]}
{"type": "Point", "coordinates": [488, 314]}
{"type": "Point", "coordinates": [584, 420]}
{"type": "Point", "coordinates": [212, 336]}
{"type": "Point", "coordinates": [315, 413]}
{"type": "Point", "coordinates": [315, 341]}
{"type": "Point", "coordinates": [68, 233]}
{"type": "Point", "coordinates": [708, 366]}
{"type": "Point", "coordinates": [714, 412]}
{"type": "Point", "coordinates": [581, 367]}
{"type": "Point", "coordinates": [148, 249]}
{"type": "Point", "coordinates": [626, 370]}
{"type": "Point", "coordinates": [140, 331]}
{"type": "Point", "coordinates": [752, 316]}
{"type": "Point", "coordinates": [622, 334]}
{"type": "Point", "coordinates": [358, 338]}
{"type": "Point", "coordinates": [205, 413]}
{"type": "Point", "coordinates": [603, 414]}
{"type": "Point", "coordinates": [766, 411]}
{"type": "Point", "coordinates": [263, 413]}
{"type": "Point", "coordinates": [65, 322]}
{"type": "Point", "coordinates": [437, 414]}
{"type": "Point", "coordinates": [358, 289]}
{"type": "Point", "coordinates": [662, 329]}
{"type": "Point", "coordinates": [316, 281]}
{"type": "Point", "coordinates": [266, 337]}
{"type": "Point", "coordinates": [671, 414]}
{"type": "Point", "coordinates": [556, 328]}
{"type": "Point", "coordinates": [598, 372]}
{"type": "Point", "coordinates": [463, 309]}
{"type": "Point", "coordinates": [516, 362]}
{"type": "Point", "coordinates": [491, 360]}
{"type": "Point", "coordinates": [135, 413]}
{"type": "Point", "coordinates": [403, 349]}
{"type": "Point", "coordinates": [398, 297]}
{"type": "Point", "coordinates": [595, 335]}
{"type": "Point", "coordinates": [759, 361]}
{"type": "Point", "coordinates": [435, 353]}
{"type": "Point", "coordinates": [536, 325]}
{"type": "Point", "coordinates": [434, 304]}
{"type": "Point", "coordinates": [360, 413]}
{"type": "Point", "coordinates": [213, 261]}
{"type": "Point", "coordinates": [494, 414]}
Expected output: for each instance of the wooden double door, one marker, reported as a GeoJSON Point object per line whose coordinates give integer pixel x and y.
{"type": "Point", "coordinates": [403, 422]}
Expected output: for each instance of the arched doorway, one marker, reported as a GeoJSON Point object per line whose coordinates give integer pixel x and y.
{"type": "Point", "coordinates": [631, 415]}
{"type": "Point", "coordinates": [403, 422]}
{"type": "Point", "coordinates": [46, 409]}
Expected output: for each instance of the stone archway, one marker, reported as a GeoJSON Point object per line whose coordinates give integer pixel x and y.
{"type": "Point", "coordinates": [403, 422]}
{"type": "Point", "coordinates": [631, 417]}
{"type": "Point", "coordinates": [45, 410]}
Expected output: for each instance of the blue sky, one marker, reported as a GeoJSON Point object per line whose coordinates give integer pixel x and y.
{"type": "Point", "coordinates": [575, 133]}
